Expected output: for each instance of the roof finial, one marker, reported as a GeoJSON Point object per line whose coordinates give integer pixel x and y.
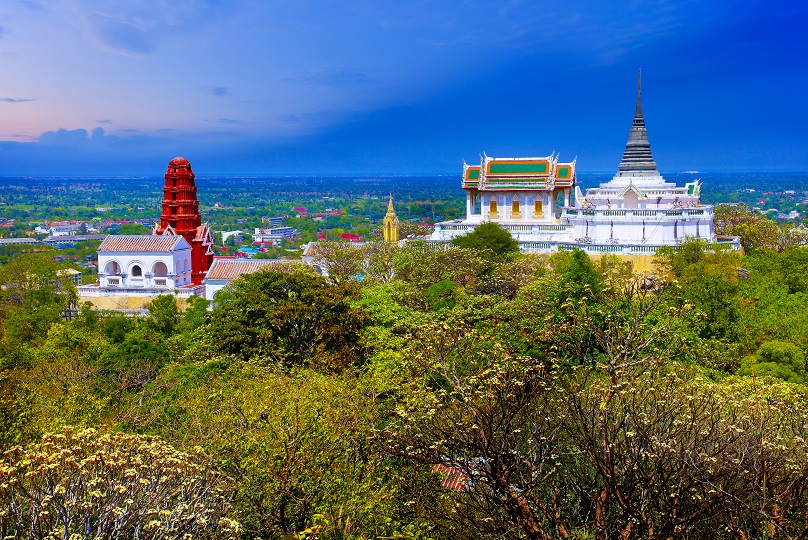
{"type": "Point", "coordinates": [639, 93]}
{"type": "Point", "coordinates": [637, 159]}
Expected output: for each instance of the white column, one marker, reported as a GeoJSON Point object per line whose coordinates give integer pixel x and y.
{"type": "Point", "coordinates": [552, 205]}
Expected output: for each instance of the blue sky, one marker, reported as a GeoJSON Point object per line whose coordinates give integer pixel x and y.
{"type": "Point", "coordinates": [411, 86]}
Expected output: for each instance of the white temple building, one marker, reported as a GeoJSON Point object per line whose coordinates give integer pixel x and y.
{"type": "Point", "coordinates": [145, 262]}
{"type": "Point", "coordinates": [538, 201]}
{"type": "Point", "coordinates": [133, 269]}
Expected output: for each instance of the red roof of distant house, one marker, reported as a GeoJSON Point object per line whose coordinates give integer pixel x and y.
{"type": "Point", "coordinates": [453, 479]}
{"type": "Point", "coordinates": [352, 237]}
{"type": "Point", "coordinates": [319, 215]}
{"type": "Point", "coordinates": [300, 210]}
{"type": "Point", "coordinates": [336, 213]}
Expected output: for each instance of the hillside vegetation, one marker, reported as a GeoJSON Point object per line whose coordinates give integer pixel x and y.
{"type": "Point", "coordinates": [417, 393]}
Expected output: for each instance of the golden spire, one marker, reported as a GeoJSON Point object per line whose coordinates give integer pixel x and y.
{"type": "Point", "coordinates": [390, 227]}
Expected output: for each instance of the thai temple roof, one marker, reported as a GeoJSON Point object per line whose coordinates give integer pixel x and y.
{"type": "Point", "coordinates": [519, 173]}
{"type": "Point", "coordinates": [143, 243]}
{"type": "Point", "coordinates": [637, 158]}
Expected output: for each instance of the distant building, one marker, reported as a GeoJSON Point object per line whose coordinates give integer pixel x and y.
{"type": "Point", "coordinates": [277, 221]}
{"type": "Point", "coordinates": [10, 241]}
{"type": "Point", "coordinates": [276, 233]}
{"type": "Point", "coordinates": [181, 216]}
{"type": "Point", "coordinates": [538, 201]}
{"type": "Point", "coordinates": [74, 275]}
{"type": "Point", "coordinates": [238, 236]}
{"type": "Point", "coordinates": [132, 269]}
{"type": "Point", "coordinates": [390, 223]}
{"type": "Point", "coordinates": [70, 240]}
{"type": "Point", "coordinates": [65, 228]}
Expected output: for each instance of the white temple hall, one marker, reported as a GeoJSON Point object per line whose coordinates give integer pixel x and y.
{"type": "Point", "coordinates": [538, 201]}
{"type": "Point", "coordinates": [148, 262]}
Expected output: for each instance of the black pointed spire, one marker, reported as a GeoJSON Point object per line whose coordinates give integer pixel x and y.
{"type": "Point", "coordinates": [637, 158]}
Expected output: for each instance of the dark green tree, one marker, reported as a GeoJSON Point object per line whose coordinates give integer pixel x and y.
{"type": "Point", "coordinates": [489, 238]}
{"type": "Point", "coordinates": [164, 314]}
{"type": "Point", "coordinates": [579, 278]}
{"type": "Point", "coordinates": [290, 319]}
{"type": "Point", "coordinates": [133, 228]}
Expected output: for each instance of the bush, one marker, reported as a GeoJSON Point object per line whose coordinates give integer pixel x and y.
{"type": "Point", "coordinates": [776, 359]}
{"type": "Point", "coordinates": [98, 485]}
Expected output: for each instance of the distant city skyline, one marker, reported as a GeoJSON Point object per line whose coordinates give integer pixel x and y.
{"type": "Point", "coordinates": [354, 86]}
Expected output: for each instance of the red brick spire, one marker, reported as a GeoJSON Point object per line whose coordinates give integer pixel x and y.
{"type": "Point", "coordinates": [181, 216]}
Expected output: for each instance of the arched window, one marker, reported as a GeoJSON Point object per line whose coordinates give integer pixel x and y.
{"type": "Point", "coordinates": [137, 271]}
{"type": "Point", "coordinates": [112, 269]}
{"type": "Point", "coordinates": [160, 269]}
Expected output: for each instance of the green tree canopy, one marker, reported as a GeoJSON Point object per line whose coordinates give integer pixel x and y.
{"type": "Point", "coordinates": [489, 238]}
{"type": "Point", "coordinates": [295, 318]}
{"type": "Point", "coordinates": [776, 359]}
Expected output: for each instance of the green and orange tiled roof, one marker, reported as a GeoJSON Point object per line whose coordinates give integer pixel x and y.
{"type": "Point", "coordinates": [519, 173]}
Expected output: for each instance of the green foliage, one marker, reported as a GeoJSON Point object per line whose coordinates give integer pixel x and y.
{"type": "Point", "coordinates": [777, 359]}
{"type": "Point", "coordinates": [116, 326]}
{"type": "Point", "coordinates": [33, 294]}
{"type": "Point", "coordinates": [423, 265]}
{"type": "Point", "coordinates": [508, 278]}
{"type": "Point", "coordinates": [490, 239]}
{"type": "Point", "coordinates": [577, 400]}
{"type": "Point", "coordinates": [130, 365]}
{"type": "Point", "coordinates": [133, 228]}
{"type": "Point", "coordinates": [343, 261]}
{"type": "Point", "coordinates": [441, 295]}
{"type": "Point", "coordinates": [16, 405]}
{"type": "Point", "coordinates": [164, 314]}
{"type": "Point", "coordinates": [757, 232]}
{"type": "Point", "coordinates": [289, 319]}
{"type": "Point", "coordinates": [629, 445]}
{"type": "Point", "coordinates": [195, 316]}
{"type": "Point", "coordinates": [300, 445]}
{"type": "Point", "coordinates": [579, 278]}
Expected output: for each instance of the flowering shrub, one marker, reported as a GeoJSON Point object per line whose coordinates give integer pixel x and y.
{"type": "Point", "coordinates": [82, 483]}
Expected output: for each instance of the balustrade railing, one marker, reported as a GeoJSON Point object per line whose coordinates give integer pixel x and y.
{"type": "Point", "coordinates": [633, 213]}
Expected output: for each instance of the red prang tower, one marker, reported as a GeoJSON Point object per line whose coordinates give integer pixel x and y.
{"type": "Point", "coordinates": [181, 216]}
